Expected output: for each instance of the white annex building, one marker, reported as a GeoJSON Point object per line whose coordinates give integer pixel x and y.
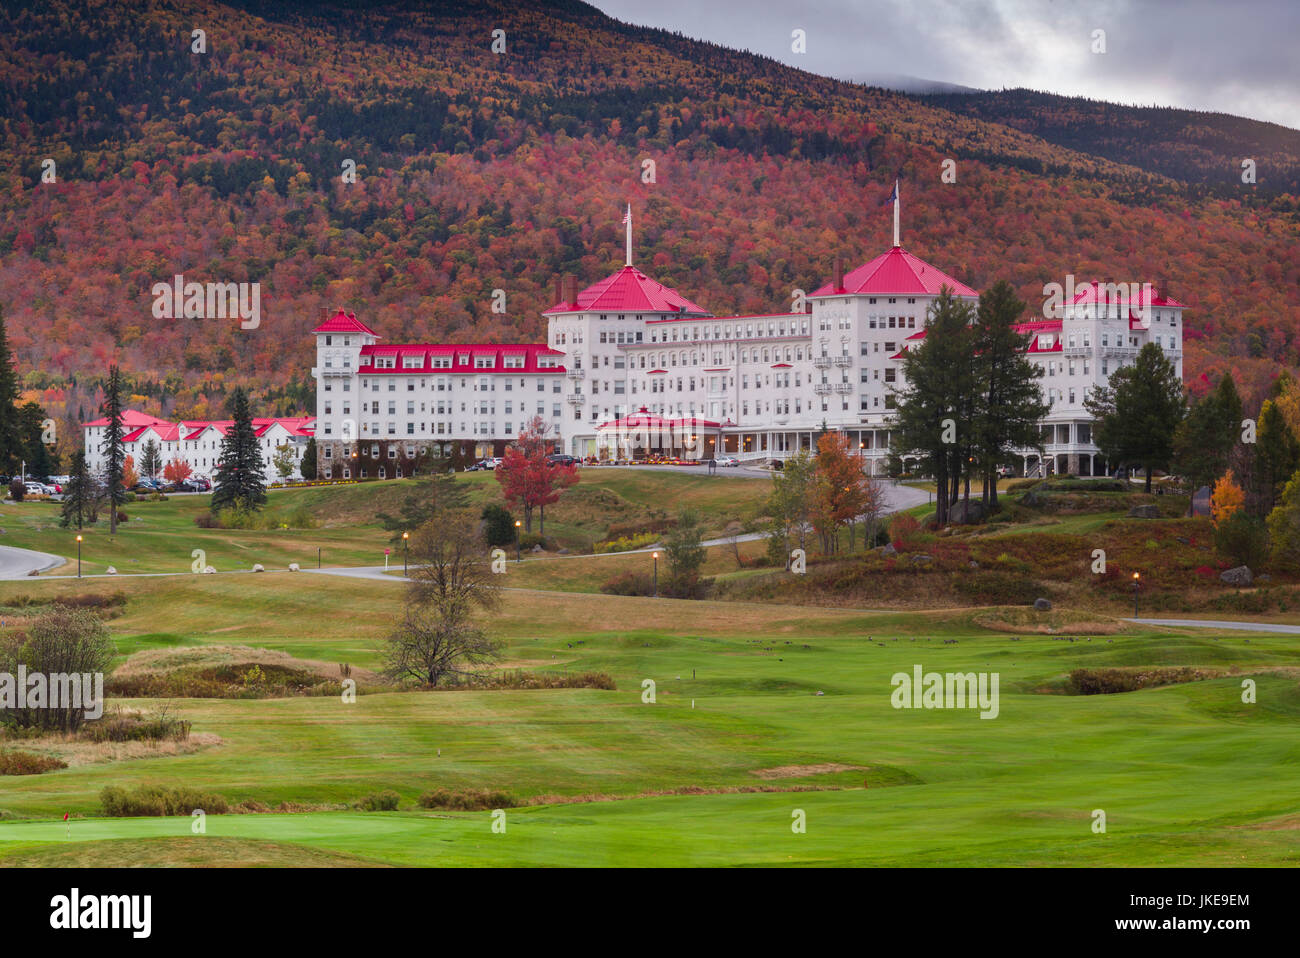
{"type": "Point", "coordinates": [197, 442]}
{"type": "Point", "coordinates": [632, 368]}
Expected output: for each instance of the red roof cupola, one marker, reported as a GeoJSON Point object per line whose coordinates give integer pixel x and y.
{"type": "Point", "coordinates": [628, 291]}
{"type": "Point", "coordinates": [895, 273]}
{"type": "Point", "coordinates": [342, 322]}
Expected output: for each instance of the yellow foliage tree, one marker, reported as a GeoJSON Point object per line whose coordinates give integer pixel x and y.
{"type": "Point", "coordinates": [1227, 498]}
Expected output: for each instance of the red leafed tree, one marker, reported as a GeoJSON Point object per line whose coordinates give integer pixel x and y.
{"type": "Point", "coordinates": [527, 479]}
{"type": "Point", "coordinates": [129, 476]}
{"type": "Point", "coordinates": [177, 471]}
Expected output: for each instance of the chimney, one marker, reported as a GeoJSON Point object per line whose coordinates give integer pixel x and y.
{"type": "Point", "coordinates": [569, 294]}
{"type": "Point", "coordinates": [837, 284]}
{"type": "Point", "coordinates": [324, 313]}
{"type": "Point", "coordinates": [559, 289]}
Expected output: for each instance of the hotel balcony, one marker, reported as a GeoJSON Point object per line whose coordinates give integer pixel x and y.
{"type": "Point", "coordinates": [844, 387]}
{"type": "Point", "coordinates": [575, 399]}
{"type": "Point", "coordinates": [576, 373]}
{"type": "Point", "coordinates": [821, 388]}
{"type": "Point", "coordinates": [842, 360]}
{"type": "Point", "coordinates": [821, 362]}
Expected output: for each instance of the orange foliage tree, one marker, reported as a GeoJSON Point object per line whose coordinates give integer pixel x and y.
{"type": "Point", "coordinates": [177, 471]}
{"type": "Point", "coordinates": [1227, 498]}
{"type": "Point", "coordinates": [129, 476]}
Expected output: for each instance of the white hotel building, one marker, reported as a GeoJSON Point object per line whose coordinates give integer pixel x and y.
{"type": "Point", "coordinates": [631, 362]}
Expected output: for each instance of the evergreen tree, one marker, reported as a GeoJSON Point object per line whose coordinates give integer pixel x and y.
{"type": "Point", "coordinates": [1204, 441]}
{"type": "Point", "coordinates": [936, 399]}
{"type": "Point", "coordinates": [150, 459]}
{"type": "Point", "coordinates": [40, 462]}
{"type": "Point", "coordinates": [79, 495]}
{"type": "Point", "coordinates": [308, 464]}
{"type": "Point", "coordinates": [1277, 456]}
{"type": "Point", "coordinates": [239, 481]}
{"type": "Point", "coordinates": [1139, 411]}
{"type": "Point", "coordinates": [114, 446]}
{"type": "Point", "coordinates": [10, 432]}
{"type": "Point", "coordinates": [1011, 400]}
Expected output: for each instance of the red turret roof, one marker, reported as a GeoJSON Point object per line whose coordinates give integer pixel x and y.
{"type": "Point", "coordinates": [896, 273]}
{"type": "Point", "coordinates": [629, 291]}
{"type": "Point", "coordinates": [342, 322]}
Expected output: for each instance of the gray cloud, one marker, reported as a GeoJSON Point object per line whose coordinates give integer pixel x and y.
{"type": "Point", "coordinates": [1231, 57]}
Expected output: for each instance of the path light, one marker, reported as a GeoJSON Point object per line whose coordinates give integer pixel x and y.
{"type": "Point", "coordinates": [406, 538]}
{"type": "Point", "coordinates": [78, 555]}
{"type": "Point", "coordinates": [656, 558]}
{"type": "Point", "coordinates": [1137, 584]}
{"type": "Point", "coordinates": [518, 558]}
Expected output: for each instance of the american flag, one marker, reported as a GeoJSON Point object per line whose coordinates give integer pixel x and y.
{"type": "Point", "coordinates": [628, 215]}
{"type": "Point", "coordinates": [892, 197]}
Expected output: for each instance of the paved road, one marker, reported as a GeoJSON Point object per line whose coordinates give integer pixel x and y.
{"type": "Point", "coordinates": [1212, 624]}
{"type": "Point", "coordinates": [17, 563]}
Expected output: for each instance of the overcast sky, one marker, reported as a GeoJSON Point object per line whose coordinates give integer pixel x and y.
{"type": "Point", "coordinates": [1231, 56]}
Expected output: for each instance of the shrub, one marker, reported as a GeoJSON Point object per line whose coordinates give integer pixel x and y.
{"type": "Point", "coordinates": [626, 543]}
{"type": "Point", "coordinates": [902, 528]}
{"type": "Point", "coordinates": [498, 525]}
{"type": "Point", "coordinates": [385, 801]}
{"type": "Point", "coordinates": [122, 516]}
{"type": "Point", "coordinates": [1109, 681]}
{"type": "Point", "coordinates": [467, 799]}
{"type": "Point", "coordinates": [15, 762]}
{"type": "Point", "coordinates": [17, 490]}
{"type": "Point", "coordinates": [1241, 538]}
{"type": "Point", "coordinates": [206, 520]}
{"type": "Point", "coordinates": [120, 726]}
{"type": "Point", "coordinates": [529, 539]}
{"type": "Point", "coordinates": [159, 800]}
{"type": "Point", "coordinates": [629, 583]}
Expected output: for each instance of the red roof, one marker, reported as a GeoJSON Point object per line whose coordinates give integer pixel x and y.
{"type": "Point", "coordinates": [342, 322]}
{"type": "Point", "coordinates": [462, 357]}
{"type": "Point", "coordinates": [629, 290]}
{"type": "Point", "coordinates": [896, 273]}
{"type": "Point", "coordinates": [130, 420]}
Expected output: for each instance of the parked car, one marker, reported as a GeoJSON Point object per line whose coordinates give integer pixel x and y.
{"type": "Point", "coordinates": [560, 459]}
{"type": "Point", "coordinates": [195, 484]}
{"type": "Point", "coordinates": [37, 489]}
{"type": "Point", "coordinates": [729, 461]}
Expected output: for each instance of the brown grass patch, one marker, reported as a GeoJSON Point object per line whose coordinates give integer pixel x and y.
{"type": "Point", "coordinates": [161, 661]}
{"type": "Point", "coordinates": [1032, 622]}
{"type": "Point", "coordinates": [802, 771]}
{"type": "Point", "coordinates": [76, 752]}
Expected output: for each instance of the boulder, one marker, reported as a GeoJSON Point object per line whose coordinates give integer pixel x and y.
{"type": "Point", "coordinates": [1043, 605]}
{"type": "Point", "coordinates": [921, 559]}
{"type": "Point", "coordinates": [1238, 576]}
{"type": "Point", "coordinates": [110, 571]}
{"type": "Point", "coordinates": [209, 570]}
{"type": "Point", "coordinates": [966, 512]}
{"type": "Point", "coordinates": [293, 567]}
{"type": "Point", "coordinates": [973, 564]}
{"type": "Point", "coordinates": [1144, 512]}
{"type": "Point", "coordinates": [537, 548]}
{"type": "Point", "coordinates": [888, 549]}
{"type": "Point", "coordinates": [257, 567]}
{"type": "Point", "coordinates": [1031, 499]}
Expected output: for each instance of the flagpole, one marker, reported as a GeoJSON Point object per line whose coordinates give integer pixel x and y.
{"type": "Point", "coordinates": [628, 220]}
{"type": "Point", "coordinates": [896, 198]}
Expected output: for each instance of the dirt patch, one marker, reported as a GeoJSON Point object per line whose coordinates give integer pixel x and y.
{"type": "Point", "coordinates": [242, 657]}
{"type": "Point", "coordinates": [1288, 823]}
{"type": "Point", "coordinates": [76, 753]}
{"type": "Point", "coordinates": [1033, 622]}
{"type": "Point", "coordinates": [802, 771]}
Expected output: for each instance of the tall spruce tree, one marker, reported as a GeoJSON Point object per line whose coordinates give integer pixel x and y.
{"type": "Point", "coordinates": [932, 418]}
{"type": "Point", "coordinates": [78, 496]}
{"type": "Point", "coordinates": [239, 480]}
{"type": "Point", "coordinates": [1139, 411]}
{"type": "Point", "coordinates": [1205, 439]}
{"type": "Point", "coordinates": [10, 429]}
{"type": "Point", "coordinates": [1011, 399]}
{"type": "Point", "coordinates": [307, 466]}
{"type": "Point", "coordinates": [114, 446]}
{"type": "Point", "coordinates": [150, 459]}
{"type": "Point", "coordinates": [1277, 456]}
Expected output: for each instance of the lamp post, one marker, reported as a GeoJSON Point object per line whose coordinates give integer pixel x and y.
{"type": "Point", "coordinates": [1137, 584]}
{"type": "Point", "coordinates": [406, 538]}
{"type": "Point", "coordinates": [656, 558]}
{"type": "Point", "coordinates": [518, 557]}
{"type": "Point", "coordinates": [78, 555]}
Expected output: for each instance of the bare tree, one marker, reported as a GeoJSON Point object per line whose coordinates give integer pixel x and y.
{"type": "Point", "coordinates": [452, 579]}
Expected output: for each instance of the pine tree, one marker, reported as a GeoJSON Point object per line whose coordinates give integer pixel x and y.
{"type": "Point", "coordinates": [1204, 442]}
{"type": "Point", "coordinates": [1011, 400]}
{"type": "Point", "coordinates": [113, 444]}
{"type": "Point", "coordinates": [933, 409]}
{"type": "Point", "coordinates": [79, 495]}
{"type": "Point", "coordinates": [239, 481]}
{"type": "Point", "coordinates": [307, 467]}
{"type": "Point", "coordinates": [1139, 411]}
{"type": "Point", "coordinates": [150, 459]}
{"type": "Point", "coordinates": [10, 432]}
{"type": "Point", "coordinates": [1277, 456]}
{"type": "Point", "coordinates": [31, 420]}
